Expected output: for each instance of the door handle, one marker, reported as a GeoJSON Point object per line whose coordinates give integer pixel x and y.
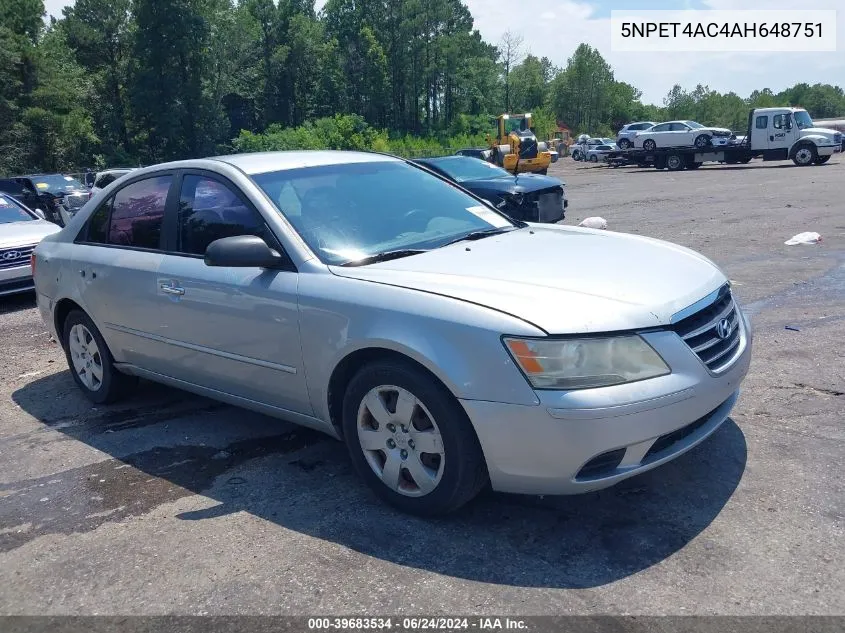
{"type": "Point", "coordinates": [171, 290]}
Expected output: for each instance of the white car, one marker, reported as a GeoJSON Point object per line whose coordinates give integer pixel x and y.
{"type": "Point", "coordinates": [107, 177]}
{"type": "Point", "coordinates": [598, 153]}
{"type": "Point", "coordinates": [21, 229]}
{"type": "Point", "coordinates": [681, 134]}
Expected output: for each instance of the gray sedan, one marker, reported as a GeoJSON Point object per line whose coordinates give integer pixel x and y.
{"type": "Point", "coordinates": [363, 296]}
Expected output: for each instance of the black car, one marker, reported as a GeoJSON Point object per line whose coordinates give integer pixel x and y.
{"type": "Point", "coordinates": [65, 195]}
{"type": "Point", "coordinates": [23, 190]}
{"type": "Point", "coordinates": [527, 197]}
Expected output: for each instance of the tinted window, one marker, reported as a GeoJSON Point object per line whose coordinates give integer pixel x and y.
{"type": "Point", "coordinates": [210, 210]}
{"type": "Point", "coordinates": [663, 127]}
{"type": "Point", "coordinates": [465, 169]}
{"type": "Point", "coordinates": [98, 223]}
{"type": "Point", "coordinates": [679, 127]}
{"type": "Point", "coordinates": [138, 212]}
{"type": "Point", "coordinates": [762, 122]}
{"type": "Point", "coordinates": [350, 211]}
{"type": "Point", "coordinates": [105, 181]}
{"type": "Point", "coordinates": [11, 186]}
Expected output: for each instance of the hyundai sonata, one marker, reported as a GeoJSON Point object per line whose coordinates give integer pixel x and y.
{"type": "Point", "coordinates": [447, 344]}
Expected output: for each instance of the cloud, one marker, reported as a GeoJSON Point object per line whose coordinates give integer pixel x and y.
{"type": "Point", "coordinates": [656, 73]}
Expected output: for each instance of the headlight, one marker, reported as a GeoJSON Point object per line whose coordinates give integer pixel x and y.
{"type": "Point", "coordinates": [510, 199]}
{"type": "Point", "coordinates": [584, 363]}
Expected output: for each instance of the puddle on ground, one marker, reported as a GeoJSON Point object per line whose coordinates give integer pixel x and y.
{"type": "Point", "coordinates": [82, 499]}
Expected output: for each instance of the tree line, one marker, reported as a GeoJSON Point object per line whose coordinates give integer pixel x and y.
{"type": "Point", "coordinates": [127, 82]}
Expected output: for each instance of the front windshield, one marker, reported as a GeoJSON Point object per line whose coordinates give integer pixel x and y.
{"type": "Point", "coordinates": [10, 211]}
{"type": "Point", "coordinates": [57, 183]}
{"type": "Point", "coordinates": [353, 211]}
{"type": "Point", "coordinates": [803, 120]}
{"type": "Point", "coordinates": [466, 169]}
{"type": "Point", "coordinates": [694, 125]}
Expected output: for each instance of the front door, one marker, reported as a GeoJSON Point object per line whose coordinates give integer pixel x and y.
{"type": "Point", "coordinates": [782, 131]}
{"type": "Point", "coordinates": [234, 330]}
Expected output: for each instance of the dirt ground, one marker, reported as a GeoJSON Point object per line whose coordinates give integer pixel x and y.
{"type": "Point", "coordinates": [170, 503]}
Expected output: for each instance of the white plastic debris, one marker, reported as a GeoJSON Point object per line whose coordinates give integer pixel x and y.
{"type": "Point", "coordinates": [594, 223]}
{"type": "Point", "coordinates": [804, 238]}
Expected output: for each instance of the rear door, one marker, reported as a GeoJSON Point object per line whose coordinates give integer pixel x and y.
{"type": "Point", "coordinates": [119, 253]}
{"type": "Point", "coordinates": [234, 330]}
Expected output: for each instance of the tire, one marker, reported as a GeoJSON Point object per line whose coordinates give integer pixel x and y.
{"type": "Point", "coordinates": [805, 155]}
{"type": "Point", "coordinates": [675, 162]}
{"type": "Point", "coordinates": [821, 160]}
{"type": "Point", "coordinates": [702, 141]}
{"type": "Point", "coordinates": [745, 161]}
{"type": "Point", "coordinates": [649, 145]}
{"type": "Point", "coordinates": [594, 159]}
{"type": "Point", "coordinates": [90, 361]}
{"type": "Point", "coordinates": [693, 165]}
{"type": "Point", "coordinates": [576, 155]}
{"type": "Point", "coordinates": [624, 144]}
{"type": "Point", "coordinates": [543, 172]}
{"type": "Point", "coordinates": [450, 478]}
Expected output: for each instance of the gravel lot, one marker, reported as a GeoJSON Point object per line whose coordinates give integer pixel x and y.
{"type": "Point", "coordinates": [175, 504]}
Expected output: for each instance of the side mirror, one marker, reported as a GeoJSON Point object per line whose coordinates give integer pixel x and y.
{"type": "Point", "coordinates": [39, 213]}
{"type": "Point", "coordinates": [243, 251]}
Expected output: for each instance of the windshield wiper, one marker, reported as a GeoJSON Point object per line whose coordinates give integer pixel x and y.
{"type": "Point", "coordinates": [385, 256]}
{"type": "Point", "coordinates": [478, 235]}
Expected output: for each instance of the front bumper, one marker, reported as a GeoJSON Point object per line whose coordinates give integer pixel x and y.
{"type": "Point", "coordinates": [16, 279]}
{"type": "Point", "coordinates": [580, 441]}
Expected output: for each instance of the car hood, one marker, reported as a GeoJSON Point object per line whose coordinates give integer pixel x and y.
{"type": "Point", "coordinates": [821, 131]}
{"type": "Point", "coordinates": [25, 233]}
{"type": "Point", "coordinates": [563, 280]}
{"type": "Point", "coordinates": [524, 183]}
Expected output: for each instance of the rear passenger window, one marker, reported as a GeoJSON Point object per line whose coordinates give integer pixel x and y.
{"type": "Point", "coordinates": [762, 122]}
{"type": "Point", "coordinates": [98, 224]}
{"type": "Point", "coordinates": [138, 213]}
{"type": "Point", "coordinates": [210, 210]}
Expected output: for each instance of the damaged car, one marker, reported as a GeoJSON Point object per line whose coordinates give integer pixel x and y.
{"type": "Point", "coordinates": [526, 197]}
{"type": "Point", "coordinates": [681, 134]}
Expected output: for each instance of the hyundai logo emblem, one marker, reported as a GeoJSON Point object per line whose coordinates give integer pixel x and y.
{"type": "Point", "coordinates": [724, 329]}
{"type": "Point", "coordinates": [9, 255]}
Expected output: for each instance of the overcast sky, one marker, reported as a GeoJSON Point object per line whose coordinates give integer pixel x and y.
{"type": "Point", "coordinates": [555, 27]}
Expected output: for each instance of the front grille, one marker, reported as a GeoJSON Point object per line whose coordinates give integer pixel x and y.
{"type": "Point", "coordinates": [76, 201]}
{"type": "Point", "coordinates": [603, 464]}
{"type": "Point", "coordinates": [702, 331]}
{"type": "Point", "coordinates": [11, 257]}
{"type": "Point", "coordinates": [670, 439]}
{"type": "Point", "coordinates": [550, 205]}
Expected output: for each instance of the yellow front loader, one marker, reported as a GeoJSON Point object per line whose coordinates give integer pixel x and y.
{"type": "Point", "coordinates": [516, 148]}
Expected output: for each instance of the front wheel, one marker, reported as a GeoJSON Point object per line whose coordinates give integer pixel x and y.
{"type": "Point", "coordinates": [649, 145]}
{"type": "Point", "coordinates": [821, 160]}
{"type": "Point", "coordinates": [702, 141]}
{"type": "Point", "coordinates": [805, 155]}
{"type": "Point", "coordinates": [91, 362]}
{"type": "Point", "coordinates": [410, 440]}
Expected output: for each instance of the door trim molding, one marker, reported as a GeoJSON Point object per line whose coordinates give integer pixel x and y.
{"type": "Point", "coordinates": [202, 349]}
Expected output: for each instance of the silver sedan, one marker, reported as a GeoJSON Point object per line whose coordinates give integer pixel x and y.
{"type": "Point", "coordinates": [360, 295]}
{"type": "Point", "coordinates": [20, 230]}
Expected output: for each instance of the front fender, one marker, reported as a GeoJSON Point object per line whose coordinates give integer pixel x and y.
{"type": "Point", "coordinates": [458, 342]}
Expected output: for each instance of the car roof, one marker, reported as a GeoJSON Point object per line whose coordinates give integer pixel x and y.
{"type": "Point", "coordinates": [263, 162]}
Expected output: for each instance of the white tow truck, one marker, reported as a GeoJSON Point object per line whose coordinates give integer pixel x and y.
{"type": "Point", "coordinates": [773, 134]}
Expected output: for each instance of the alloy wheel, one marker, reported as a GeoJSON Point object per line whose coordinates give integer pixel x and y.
{"type": "Point", "coordinates": [85, 356]}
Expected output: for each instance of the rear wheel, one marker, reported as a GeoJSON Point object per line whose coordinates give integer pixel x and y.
{"type": "Point", "coordinates": [805, 154]}
{"type": "Point", "coordinates": [410, 440]}
{"type": "Point", "coordinates": [821, 160]}
{"type": "Point", "coordinates": [624, 143]}
{"type": "Point", "coordinates": [649, 145]}
{"type": "Point", "coordinates": [693, 165]}
{"type": "Point", "coordinates": [91, 362]}
{"type": "Point", "coordinates": [543, 172]}
{"type": "Point", "coordinates": [594, 159]}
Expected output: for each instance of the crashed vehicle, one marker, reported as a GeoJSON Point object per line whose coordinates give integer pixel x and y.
{"type": "Point", "coordinates": [681, 134]}
{"type": "Point", "coordinates": [526, 197]}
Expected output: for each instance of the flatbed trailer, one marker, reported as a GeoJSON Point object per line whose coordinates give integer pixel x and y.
{"type": "Point", "coordinates": [773, 134]}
